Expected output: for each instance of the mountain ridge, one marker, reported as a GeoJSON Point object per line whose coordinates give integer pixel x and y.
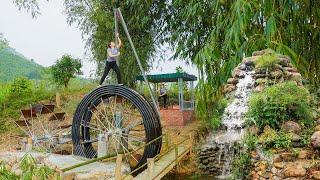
{"type": "Point", "coordinates": [13, 64]}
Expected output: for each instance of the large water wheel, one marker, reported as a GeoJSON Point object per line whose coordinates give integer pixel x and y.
{"type": "Point", "coordinates": [120, 117]}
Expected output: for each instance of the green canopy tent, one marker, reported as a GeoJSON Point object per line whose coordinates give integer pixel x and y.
{"type": "Point", "coordinates": [175, 77]}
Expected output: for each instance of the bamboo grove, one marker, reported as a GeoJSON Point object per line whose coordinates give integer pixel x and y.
{"type": "Point", "coordinates": [212, 34]}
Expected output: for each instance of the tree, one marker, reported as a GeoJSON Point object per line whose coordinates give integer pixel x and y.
{"type": "Point", "coordinates": [216, 34]}
{"type": "Point", "coordinates": [95, 19]}
{"type": "Point", "coordinates": [65, 68]}
{"type": "Point", "coordinates": [31, 6]}
{"type": "Point", "coordinates": [3, 42]}
{"type": "Point", "coordinates": [179, 69]}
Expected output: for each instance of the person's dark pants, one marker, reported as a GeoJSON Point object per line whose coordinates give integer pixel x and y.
{"type": "Point", "coordinates": [111, 65]}
{"type": "Point", "coordinates": [165, 97]}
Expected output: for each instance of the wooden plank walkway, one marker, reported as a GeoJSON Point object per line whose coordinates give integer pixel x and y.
{"type": "Point", "coordinates": [158, 169]}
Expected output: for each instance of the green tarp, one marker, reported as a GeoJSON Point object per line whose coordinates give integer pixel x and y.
{"type": "Point", "coordinates": [172, 77]}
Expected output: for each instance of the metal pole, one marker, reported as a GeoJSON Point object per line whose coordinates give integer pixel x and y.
{"type": "Point", "coordinates": [180, 83]}
{"type": "Point", "coordinates": [192, 94]}
{"type": "Point", "coordinates": [116, 30]}
{"type": "Point", "coordinates": [138, 59]}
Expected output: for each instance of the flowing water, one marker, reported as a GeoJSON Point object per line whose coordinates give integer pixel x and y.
{"type": "Point", "coordinates": [233, 120]}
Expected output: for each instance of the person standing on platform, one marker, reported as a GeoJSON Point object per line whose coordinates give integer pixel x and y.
{"type": "Point", "coordinates": [163, 94]}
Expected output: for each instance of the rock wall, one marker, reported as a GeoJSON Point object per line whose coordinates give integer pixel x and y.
{"type": "Point", "coordinates": [282, 71]}
{"type": "Point", "coordinates": [211, 158]}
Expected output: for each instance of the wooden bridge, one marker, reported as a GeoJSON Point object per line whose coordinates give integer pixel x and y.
{"type": "Point", "coordinates": [162, 164]}
{"type": "Point", "coordinates": [155, 168]}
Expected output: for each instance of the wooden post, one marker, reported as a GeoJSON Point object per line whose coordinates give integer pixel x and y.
{"type": "Point", "coordinates": [29, 145]}
{"type": "Point", "coordinates": [58, 100]}
{"type": "Point", "coordinates": [150, 164]}
{"type": "Point", "coordinates": [190, 143]}
{"type": "Point", "coordinates": [176, 154]}
{"type": "Point", "coordinates": [118, 167]}
{"type": "Point", "coordinates": [166, 139]}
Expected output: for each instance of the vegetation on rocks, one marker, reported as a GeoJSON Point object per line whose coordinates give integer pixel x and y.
{"type": "Point", "coordinates": [279, 103]}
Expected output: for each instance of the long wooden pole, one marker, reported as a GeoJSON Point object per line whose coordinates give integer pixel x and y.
{"type": "Point", "coordinates": [138, 59]}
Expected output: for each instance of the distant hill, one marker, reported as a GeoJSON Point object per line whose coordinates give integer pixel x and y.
{"type": "Point", "coordinates": [13, 64]}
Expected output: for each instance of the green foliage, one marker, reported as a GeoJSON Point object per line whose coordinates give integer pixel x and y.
{"type": "Point", "coordinates": [30, 170]}
{"type": "Point", "coordinates": [278, 103]}
{"type": "Point", "coordinates": [65, 69]}
{"type": "Point", "coordinates": [3, 42]}
{"type": "Point", "coordinates": [217, 43]}
{"type": "Point", "coordinates": [241, 166]}
{"type": "Point", "coordinates": [13, 65]}
{"type": "Point", "coordinates": [267, 61]}
{"type": "Point", "coordinates": [273, 139]}
{"type": "Point", "coordinates": [250, 142]}
{"type": "Point", "coordinates": [5, 174]}
{"type": "Point", "coordinates": [20, 86]}
{"type": "Point", "coordinates": [96, 21]}
{"type": "Point", "coordinates": [179, 69]}
{"type": "Point", "coordinates": [306, 136]}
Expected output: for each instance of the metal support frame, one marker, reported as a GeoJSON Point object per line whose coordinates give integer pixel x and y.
{"type": "Point", "coordinates": [192, 95]}
{"type": "Point", "coordinates": [138, 59]}
{"type": "Point", "coordinates": [181, 100]}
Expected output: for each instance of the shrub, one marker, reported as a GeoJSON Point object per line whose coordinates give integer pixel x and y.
{"type": "Point", "coordinates": [278, 103]}
{"type": "Point", "coordinates": [241, 166]}
{"type": "Point", "coordinates": [273, 139]}
{"type": "Point", "coordinates": [250, 141]}
{"type": "Point", "coordinates": [267, 61]}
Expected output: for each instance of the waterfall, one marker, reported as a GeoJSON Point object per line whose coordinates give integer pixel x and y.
{"type": "Point", "coordinates": [233, 120]}
{"type": "Point", "coordinates": [217, 155]}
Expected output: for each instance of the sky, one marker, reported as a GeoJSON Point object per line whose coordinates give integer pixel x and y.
{"type": "Point", "coordinates": [48, 37]}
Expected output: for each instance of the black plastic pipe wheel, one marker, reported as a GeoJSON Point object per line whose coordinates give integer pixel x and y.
{"type": "Point", "coordinates": [125, 120]}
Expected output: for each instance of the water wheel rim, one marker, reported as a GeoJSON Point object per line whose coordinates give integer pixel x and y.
{"type": "Point", "coordinates": [151, 121]}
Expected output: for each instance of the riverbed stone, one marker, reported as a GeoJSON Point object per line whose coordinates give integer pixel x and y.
{"type": "Point", "coordinates": [316, 175]}
{"type": "Point", "coordinates": [315, 140]}
{"type": "Point", "coordinates": [317, 128]}
{"type": "Point", "coordinates": [260, 71]}
{"type": "Point", "coordinates": [287, 156]}
{"type": "Point", "coordinates": [260, 81]}
{"type": "Point", "coordinates": [242, 67]}
{"type": "Point", "coordinates": [304, 154]}
{"type": "Point", "coordinates": [295, 137]}
{"type": "Point", "coordinates": [276, 74]}
{"type": "Point", "coordinates": [292, 70]}
{"type": "Point", "coordinates": [232, 81]}
{"type": "Point", "coordinates": [260, 76]}
{"type": "Point", "coordinates": [284, 61]}
{"type": "Point", "coordinates": [279, 165]}
{"type": "Point", "coordinates": [295, 171]}
{"type": "Point", "coordinates": [259, 88]}
{"type": "Point", "coordinates": [291, 126]}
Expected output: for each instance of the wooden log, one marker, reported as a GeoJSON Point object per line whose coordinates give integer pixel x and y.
{"type": "Point", "coordinates": [118, 167]}
{"type": "Point", "coordinates": [58, 100]}
{"type": "Point", "coordinates": [150, 164]}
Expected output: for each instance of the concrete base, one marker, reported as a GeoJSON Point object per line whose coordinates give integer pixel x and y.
{"type": "Point", "coordinates": [97, 170]}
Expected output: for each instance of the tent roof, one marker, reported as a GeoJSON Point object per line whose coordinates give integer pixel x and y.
{"type": "Point", "coordinates": [170, 77]}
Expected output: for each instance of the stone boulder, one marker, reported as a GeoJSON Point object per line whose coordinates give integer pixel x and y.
{"type": "Point", "coordinates": [316, 175]}
{"type": "Point", "coordinates": [233, 81]}
{"type": "Point", "coordinates": [315, 140]}
{"type": "Point", "coordinates": [291, 126]}
{"type": "Point", "coordinates": [317, 128]}
{"type": "Point", "coordinates": [295, 171]}
{"type": "Point", "coordinates": [276, 74]}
